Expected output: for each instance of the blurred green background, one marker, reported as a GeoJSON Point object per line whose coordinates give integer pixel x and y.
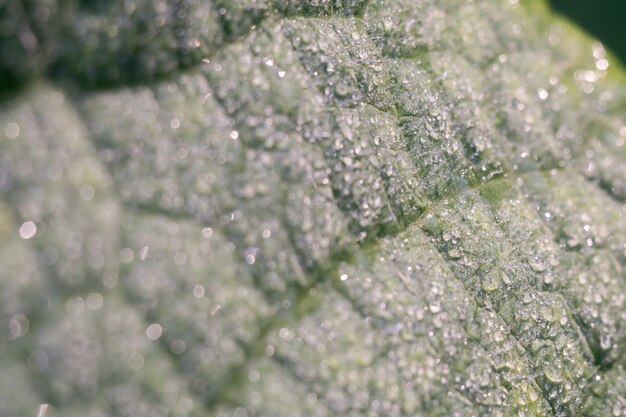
{"type": "Point", "coordinates": [604, 19]}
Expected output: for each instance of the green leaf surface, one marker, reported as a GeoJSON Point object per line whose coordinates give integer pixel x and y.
{"type": "Point", "coordinates": [309, 208]}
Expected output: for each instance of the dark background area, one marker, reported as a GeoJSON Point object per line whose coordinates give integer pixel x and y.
{"type": "Point", "coordinates": [604, 19]}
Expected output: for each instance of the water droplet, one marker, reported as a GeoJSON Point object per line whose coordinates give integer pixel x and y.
{"type": "Point", "coordinates": [198, 291]}
{"type": "Point", "coordinates": [286, 334]}
{"type": "Point", "coordinates": [18, 325]}
{"type": "Point", "coordinates": [554, 374]}
{"type": "Point", "coordinates": [43, 409]}
{"type": "Point", "coordinates": [154, 331]}
{"type": "Point", "coordinates": [87, 192]}
{"type": "Point", "coordinates": [434, 308]}
{"type": "Point", "coordinates": [491, 281]}
{"type": "Point", "coordinates": [136, 361]}
{"type": "Point", "coordinates": [606, 341]}
{"type": "Point", "coordinates": [547, 312]}
{"type": "Point", "coordinates": [127, 255]}
{"type": "Point", "coordinates": [602, 64]}
{"type": "Point", "coordinates": [537, 265]}
{"type": "Point", "coordinates": [28, 230]}
{"type": "Point", "coordinates": [254, 376]}
{"type": "Point", "coordinates": [215, 309]}
{"type": "Point", "coordinates": [94, 301]}
{"type": "Point", "coordinates": [533, 395]}
{"type": "Point", "coordinates": [177, 346]}
{"type": "Point", "coordinates": [12, 130]}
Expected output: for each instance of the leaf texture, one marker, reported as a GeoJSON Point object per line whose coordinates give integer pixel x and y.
{"type": "Point", "coordinates": [309, 208]}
